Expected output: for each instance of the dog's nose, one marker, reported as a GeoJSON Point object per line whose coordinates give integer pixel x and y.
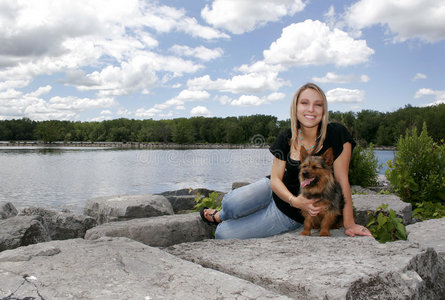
{"type": "Point", "coordinates": [305, 174]}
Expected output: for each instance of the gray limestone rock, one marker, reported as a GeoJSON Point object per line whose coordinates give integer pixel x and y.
{"type": "Point", "coordinates": [184, 199]}
{"type": "Point", "coordinates": [363, 204]}
{"type": "Point", "coordinates": [21, 231]}
{"type": "Point", "coordinates": [430, 233]}
{"type": "Point", "coordinates": [61, 225]}
{"type": "Point", "coordinates": [114, 268]}
{"type": "Point", "coordinates": [325, 267]}
{"type": "Point", "coordinates": [160, 231]}
{"type": "Point", "coordinates": [7, 210]}
{"type": "Point", "coordinates": [127, 207]}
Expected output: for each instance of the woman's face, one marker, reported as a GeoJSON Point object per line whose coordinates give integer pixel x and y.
{"type": "Point", "coordinates": [309, 108]}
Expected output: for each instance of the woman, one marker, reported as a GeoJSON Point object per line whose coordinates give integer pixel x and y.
{"type": "Point", "coordinates": [272, 206]}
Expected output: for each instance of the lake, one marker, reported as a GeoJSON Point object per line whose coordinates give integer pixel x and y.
{"type": "Point", "coordinates": [66, 177]}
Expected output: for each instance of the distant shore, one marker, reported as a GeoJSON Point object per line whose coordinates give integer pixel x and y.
{"type": "Point", "coordinates": [135, 145]}
{"type": "Point", "coordinates": [132, 145]}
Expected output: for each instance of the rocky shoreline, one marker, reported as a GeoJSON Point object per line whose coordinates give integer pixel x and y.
{"type": "Point", "coordinates": [152, 247]}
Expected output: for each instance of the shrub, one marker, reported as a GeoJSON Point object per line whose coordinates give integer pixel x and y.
{"type": "Point", "coordinates": [385, 226]}
{"type": "Point", "coordinates": [363, 167]}
{"type": "Point", "coordinates": [429, 210]}
{"type": "Point", "coordinates": [418, 170]}
{"type": "Point", "coordinates": [212, 201]}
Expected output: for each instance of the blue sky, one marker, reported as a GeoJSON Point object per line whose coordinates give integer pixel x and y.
{"type": "Point", "coordinates": [106, 59]}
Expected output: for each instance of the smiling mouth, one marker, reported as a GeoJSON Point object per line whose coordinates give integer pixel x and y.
{"type": "Point", "coordinates": [307, 182]}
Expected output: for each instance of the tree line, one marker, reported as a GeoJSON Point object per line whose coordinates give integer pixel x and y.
{"type": "Point", "coordinates": [367, 126]}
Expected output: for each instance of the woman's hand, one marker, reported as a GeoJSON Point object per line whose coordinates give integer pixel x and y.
{"type": "Point", "coordinates": [357, 230]}
{"type": "Point", "coordinates": [305, 204]}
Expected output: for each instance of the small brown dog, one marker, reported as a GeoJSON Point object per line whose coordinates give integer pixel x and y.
{"type": "Point", "coordinates": [318, 182]}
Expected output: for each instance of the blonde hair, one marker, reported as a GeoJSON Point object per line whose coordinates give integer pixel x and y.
{"type": "Point", "coordinates": [295, 124]}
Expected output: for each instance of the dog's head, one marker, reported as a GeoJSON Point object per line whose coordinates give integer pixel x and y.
{"type": "Point", "coordinates": [316, 171]}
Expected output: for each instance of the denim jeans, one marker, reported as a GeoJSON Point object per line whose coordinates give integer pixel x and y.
{"type": "Point", "coordinates": [250, 212]}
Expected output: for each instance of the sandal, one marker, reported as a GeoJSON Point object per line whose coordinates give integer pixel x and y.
{"type": "Point", "coordinates": [214, 222]}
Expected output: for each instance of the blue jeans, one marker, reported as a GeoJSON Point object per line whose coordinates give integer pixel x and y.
{"type": "Point", "coordinates": [250, 212]}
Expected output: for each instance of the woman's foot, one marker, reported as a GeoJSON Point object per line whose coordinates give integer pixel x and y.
{"type": "Point", "coordinates": [210, 215]}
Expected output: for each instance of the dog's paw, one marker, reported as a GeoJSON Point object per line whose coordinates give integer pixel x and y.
{"type": "Point", "coordinates": [325, 233]}
{"type": "Point", "coordinates": [305, 233]}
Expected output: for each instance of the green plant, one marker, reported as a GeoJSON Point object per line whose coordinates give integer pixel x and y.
{"type": "Point", "coordinates": [385, 226]}
{"type": "Point", "coordinates": [212, 201]}
{"type": "Point", "coordinates": [363, 167]}
{"type": "Point", "coordinates": [417, 172]}
{"type": "Point", "coordinates": [428, 210]}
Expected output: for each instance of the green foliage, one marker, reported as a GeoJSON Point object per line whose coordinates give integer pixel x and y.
{"type": "Point", "coordinates": [429, 210]}
{"type": "Point", "coordinates": [417, 172]}
{"type": "Point", "coordinates": [385, 226]}
{"type": "Point", "coordinates": [366, 127]}
{"type": "Point", "coordinates": [212, 201]}
{"type": "Point", "coordinates": [363, 167]}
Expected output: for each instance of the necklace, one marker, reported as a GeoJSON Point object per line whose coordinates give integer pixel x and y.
{"type": "Point", "coordinates": [302, 144]}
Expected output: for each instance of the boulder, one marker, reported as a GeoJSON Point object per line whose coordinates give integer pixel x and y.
{"type": "Point", "coordinates": [7, 210]}
{"type": "Point", "coordinates": [127, 207]}
{"type": "Point", "coordinates": [428, 233]}
{"type": "Point", "coordinates": [184, 199]}
{"type": "Point", "coordinates": [114, 268]}
{"type": "Point", "coordinates": [61, 225]}
{"type": "Point", "coordinates": [335, 267]}
{"type": "Point", "coordinates": [160, 231]}
{"type": "Point", "coordinates": [238, 184]}
{"type": "Point", "coordinates": [21, 231]}
{"type": "Point", "coordinates": [365, 204]}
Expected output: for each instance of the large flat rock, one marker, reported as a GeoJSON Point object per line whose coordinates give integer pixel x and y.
{"type": "Point", "coordinates": [365, 204]}
{"type": "Point", "coordinates": [429, 233]}
{"type": "Point", "coordinates": [160, 231]}
{"type": "Point", "coordinates": [315, 267]}
{"type": "Point", "coordinates": [127, 207]}
{"type": "Point", "coordinates": [113, 268]}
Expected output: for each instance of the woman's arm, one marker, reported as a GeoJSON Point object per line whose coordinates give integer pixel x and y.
{"type": "Point", "coordinates": [341, 171]}
{"type": "Point", "coordinates": [278, 187]}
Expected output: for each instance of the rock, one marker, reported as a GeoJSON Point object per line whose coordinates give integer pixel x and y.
{"type": "Point", "coordinates": [325, 268]}
{"type": "Point", "coordinates": [369, 203]}
{"type": "Point", "coordinates": [127, 207]}
{"type": "Point", "coordinates": [160, 231]}
{"type": "Point", "coordinates": [428, 233]}
{"type": "Point", "coordinates": [21, 231]}
{"type": "Point", "coordinates": [7, 210]}
{"type": "Point", "coordinates": [114, 268]}
{"type": "Point", "coordinates": [184, 199]}
{"type": "Point", "coordinates": [62, 225]}
{"type": "Point", "coordinates": [236, 184]}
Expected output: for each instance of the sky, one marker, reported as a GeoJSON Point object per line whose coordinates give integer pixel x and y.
{"type": "Point", "coordinates": [95, 60]}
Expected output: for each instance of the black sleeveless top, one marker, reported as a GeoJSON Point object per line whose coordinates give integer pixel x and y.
{"type": "Point", "coordinates": [336, 136]}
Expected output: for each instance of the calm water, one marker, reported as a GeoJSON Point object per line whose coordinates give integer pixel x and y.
{"type": "Point", "coordinates": [68, 177]}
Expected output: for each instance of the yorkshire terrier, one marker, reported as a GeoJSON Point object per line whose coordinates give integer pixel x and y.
{"type": "Point", "coordinates": [318, 182]}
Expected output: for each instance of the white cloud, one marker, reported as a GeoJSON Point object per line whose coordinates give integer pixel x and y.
{"type": "Point", "coordinates": [109, 38]}
{"type": "Point", "coordinates": [177, 103]}
{"type": "Point", "coordinates": [419, 76]}
{"type": "Point", "coordinates": [247, 15]}
{"type": "Point", "coordinates": [138, 74]}
{"type": "Point", "coordinates": [16, 104]}
{"type": "Point", "coordinates": [200, 52]}
{"type": "Point", "coordinates": [345, 95]}
{"type": "Point", "coordinates": [200, 111]}
{"type": "Point", "coordinates": [439, 95]}
{"type": "Point", "coordinates": [251, 100]}
{"type": "Point", "coordinates": [403, 20]}
{"type": "Point", "coordinates": [313, 43]}
{"type": "Point", "coordinates": [245, 83]}
{"type": "Point", "coordinates": [331, 77]}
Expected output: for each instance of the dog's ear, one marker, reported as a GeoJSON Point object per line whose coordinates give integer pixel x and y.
{"type": "Point", "coordinates": [329, 156]}
{"type": "Point", "coordinates": [303, 153]}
